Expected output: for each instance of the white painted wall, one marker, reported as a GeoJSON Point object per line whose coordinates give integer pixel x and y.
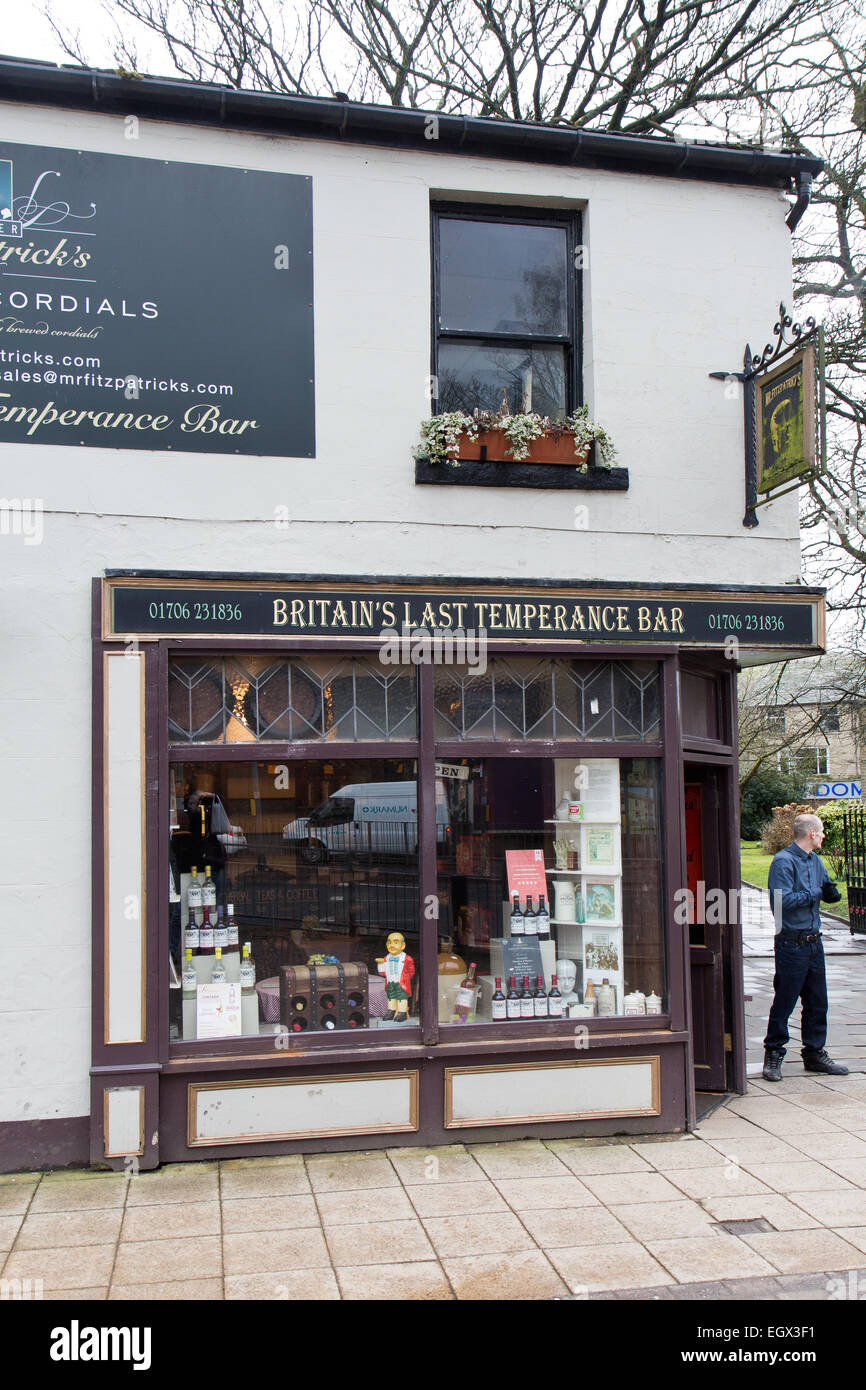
{"type": "Point", "coordinates": [678, 275]}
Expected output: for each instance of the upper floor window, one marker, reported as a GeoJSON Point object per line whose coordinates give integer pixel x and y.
{"type": "Point", "coordinates": [830, 723]}
{"type": "Point", "coordinates": [506, 311]}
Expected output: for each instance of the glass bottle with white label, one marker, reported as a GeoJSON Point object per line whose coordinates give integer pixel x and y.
{"type": "Point", "coordinates": [542, 920]}
{"type": "Point", "coordinates": [218, 973]}
{"type": "Point", "coordinates": [516, 925]}
{"type": "Point", "coordinates": [464, 1001]}
{"type": "Point", "coordinates": [530, 919]}
{"type": "Point", "coordinates": [208, 891]}
{"type": "Point", "coordinates": [193, 894]}
{"type": "Point", "coordinates": [527, 1003]}
{"type": "Point", "coordinates": [189, 984]}
{"type": "Point", "coordinates": [498, 1004]}
{"type": "Point", "coordinates": [249, 997]}
{"type": "Point", "coordinates": [540, 999]}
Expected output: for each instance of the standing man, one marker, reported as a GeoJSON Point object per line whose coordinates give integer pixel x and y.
{"type": "Point", "coordinates": [798, 881]}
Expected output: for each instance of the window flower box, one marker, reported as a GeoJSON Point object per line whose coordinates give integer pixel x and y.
{"type": "Point", "coordinates": [554, 446]}
{"type": "Point", "coordinates": [485, 437]}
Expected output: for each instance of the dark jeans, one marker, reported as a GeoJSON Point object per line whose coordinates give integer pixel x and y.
{"type": "Point", "coordinates": [799, 975]}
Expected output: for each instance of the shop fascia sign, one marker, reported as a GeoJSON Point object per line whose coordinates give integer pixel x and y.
{"type": "Point", "coordinates": [151, 608]}
{"type": "Point", "coordinates": [784, 412]}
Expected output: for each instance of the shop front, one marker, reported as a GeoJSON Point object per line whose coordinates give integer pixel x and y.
{"type": "Point", "coordinates": [382, 862]}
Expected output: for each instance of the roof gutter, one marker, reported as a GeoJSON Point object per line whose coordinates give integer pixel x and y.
{"type": "Point", "coordinates": [40, 84]}
{"type": "Point", "coordinates": [804, 193]}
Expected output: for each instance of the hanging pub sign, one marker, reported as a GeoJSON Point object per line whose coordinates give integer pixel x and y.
{"type": "Point", "coordinates": [149, 304]}
{"type": "Point", "coordinates": [786, 435]}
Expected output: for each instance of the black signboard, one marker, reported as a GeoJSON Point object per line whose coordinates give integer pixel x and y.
{"type": "Point", "coordinates": [146, 304]}
{"type": "Point", "coordinates": [203, 610]}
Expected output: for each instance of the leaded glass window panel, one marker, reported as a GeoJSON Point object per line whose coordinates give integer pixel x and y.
{"type": "Point", "coordinates": [252, 699]}
{"type": "Point", "coordinates": [559, 700]}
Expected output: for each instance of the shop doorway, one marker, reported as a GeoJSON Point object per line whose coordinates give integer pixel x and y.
{"type": "Point", "coordinates": [709, 937]}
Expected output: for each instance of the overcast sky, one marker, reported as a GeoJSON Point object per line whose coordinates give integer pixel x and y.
{"type": "Point", "coordinates": [27, 34]}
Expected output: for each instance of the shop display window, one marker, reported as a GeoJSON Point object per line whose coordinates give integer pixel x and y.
{"type": "Point", "coordinates": [294, 897]}
{"type": "Point", "coordinates": [550, 890]}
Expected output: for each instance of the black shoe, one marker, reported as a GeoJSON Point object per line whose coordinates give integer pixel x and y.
{"type": "Point", "coordinates": [822, 1061]}
{"type": "Point", "coordinates": [773, 1059]}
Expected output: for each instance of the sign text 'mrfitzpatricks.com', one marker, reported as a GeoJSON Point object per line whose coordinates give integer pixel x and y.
{"type": "Point", "coordinates": [191, 611]}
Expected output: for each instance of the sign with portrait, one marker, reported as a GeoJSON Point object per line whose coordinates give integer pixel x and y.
{"type": "Point", "coordinates": [786, 408]}
{"type": "Point", "coordinates": [149, 304]}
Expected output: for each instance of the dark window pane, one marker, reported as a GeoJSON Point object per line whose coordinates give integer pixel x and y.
{"type": "Point", "coordinates": [473, 376]}
{"type": "Point", "coordinates": [503, 277]}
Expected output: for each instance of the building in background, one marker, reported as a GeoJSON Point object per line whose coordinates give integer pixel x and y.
{"type": "Point", "coordinates": [264, 664]}
{"type": "Point", "coordinates": [806, 718]}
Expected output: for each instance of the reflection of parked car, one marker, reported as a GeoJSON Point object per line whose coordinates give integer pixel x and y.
{"type": "Point", "coordinates": [364, 817]}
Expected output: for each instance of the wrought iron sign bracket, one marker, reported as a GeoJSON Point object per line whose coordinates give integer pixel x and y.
{"type": "Point", "coordinates": [753, 365]}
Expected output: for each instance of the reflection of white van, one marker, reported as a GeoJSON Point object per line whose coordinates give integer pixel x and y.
{"type": "Point", "coordinates": [366, 817]}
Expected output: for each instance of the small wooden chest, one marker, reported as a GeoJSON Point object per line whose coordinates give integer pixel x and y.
{"type": "Point", "coordinates": [318, 998]}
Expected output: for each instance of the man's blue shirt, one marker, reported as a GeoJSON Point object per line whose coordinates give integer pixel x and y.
{"type": "Point", "coordinates": [799, 878]}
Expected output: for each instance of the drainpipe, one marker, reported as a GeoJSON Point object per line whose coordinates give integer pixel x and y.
{"type": "Point", "coordinates": [804, 193]}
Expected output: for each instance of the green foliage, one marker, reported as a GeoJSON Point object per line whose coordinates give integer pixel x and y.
{"type": "Point", "coordinates": [833, 848]}
{"type": "Point", "coordinates": [766, 790]}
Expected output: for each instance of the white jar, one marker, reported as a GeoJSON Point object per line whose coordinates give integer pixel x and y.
{"type": "Point", "coordinates": [563, 899]}
{"type": "Point", "coordinates": [634, 1003]}
{"type": "Point", "coordinates": [653, 1004]}
{"type": "Point", "coordinates": [606, 996]}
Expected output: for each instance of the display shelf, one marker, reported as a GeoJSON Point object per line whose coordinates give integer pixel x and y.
{"type": "Point", "coordinates": [569, 873]}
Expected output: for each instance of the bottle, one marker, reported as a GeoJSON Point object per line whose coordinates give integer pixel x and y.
{"type": "Point", "coordinates": [561, 812]}
{"type": "Point", "coordinates": [530, 920]}
{"type": "Point", "coordinates": [527, 1003]}
{"type": "Point", "coordinates": [220, 931]}
{"type": "Point", "coordinates": [189, 983]}
{"type": "Point", "coordinates": [540, 999]}
{"type": "Point", "coordinates": [232, 928]}
{"type": "Point", "coordinates": [191, 934]}
{"type": "Point", "coordinates": [329, 1023]}
{"type": "Point", "coordinates": [498, 1004]}
{"type": "Point", "coordinates": [512, 1003]}
{"type": "Point", "coordinates": [464, 1000]}
{"type": "Point", "coordinates": [298, 1025]}
{"type": "Point", "coordinates": [589, 995]}
{"type": "Point", "coordinates": [248, 971]}
{"type": "Point", "coordinates": [208, 890]}
{"type": "Point", "coordinates": [554, 1000]}
{"type": "Point", "coordinates": [249, 997]}
{"type": "Point", "coordinates": [517, 924]}
{"type": "Point", "coordinates": [218, 973]}
{"type": "Point", "coordinates": [189, 978]}
{"type": "Point", "coordinates": [606, 998]}
{"type": "Point", "coordinates": [542, 918]}
{"type": "Point", "coordinates": [206, 934]}
{"type": "Point", "coordinates": [193, 893]}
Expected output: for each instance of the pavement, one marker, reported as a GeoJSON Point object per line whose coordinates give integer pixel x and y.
{"type": "Point", "coordinates": [765, 1200]}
